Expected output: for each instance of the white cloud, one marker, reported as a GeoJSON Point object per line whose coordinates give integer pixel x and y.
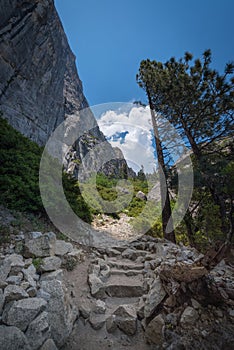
{"type": "Point", "coordinates": [131, 131]}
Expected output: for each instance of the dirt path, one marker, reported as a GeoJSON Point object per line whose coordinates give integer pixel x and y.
{"type": "Point", "coordinates": [118, 228]}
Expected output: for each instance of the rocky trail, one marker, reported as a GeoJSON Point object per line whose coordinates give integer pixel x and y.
{"type": "Point", "coordinates": [121, 302]}
{"type": "Point", "coordinates": [143, 294]}
{"type": "Point", "coordinates": [111, 302]}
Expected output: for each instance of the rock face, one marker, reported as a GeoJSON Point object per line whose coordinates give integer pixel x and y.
{"type": "Point", "coordinates": [39, 83]}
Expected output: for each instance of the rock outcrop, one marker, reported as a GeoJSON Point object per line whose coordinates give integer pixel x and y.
{"type": "Point", "coordinates": [39, 83]}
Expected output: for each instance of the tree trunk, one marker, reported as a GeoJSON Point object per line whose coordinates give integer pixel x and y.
{"type": "Point", "coordinates": [167, 222]}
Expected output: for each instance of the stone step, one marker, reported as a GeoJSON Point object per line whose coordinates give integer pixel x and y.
{"type": "Point", "coordinates": [124, 286]}
{"type": "Point", "coordinates": [128, 273]}
{"type": "Point", "coordinates": [124, 264]}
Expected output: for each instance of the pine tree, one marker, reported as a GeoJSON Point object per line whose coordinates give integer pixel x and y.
{"type": "Point", "coordinates": [199, 103]}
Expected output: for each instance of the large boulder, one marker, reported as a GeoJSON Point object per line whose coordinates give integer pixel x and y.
{"type": "Point", "coordinates": [154, 298]}
{"type": "Point", "coordinates": [41, 246]}
{"type": "Point", "coordinates": [154, 331]}
{"type": "Point", "coordinates": [12, 338]}
{"type": "Point", "coordinates": [22, 312]}
{"type": "Point", "coordinates": [38, 331]}
{"type": "Point", "coordinates": [126, 319]}
{"type": "Point", "coordinates": [61, 313]}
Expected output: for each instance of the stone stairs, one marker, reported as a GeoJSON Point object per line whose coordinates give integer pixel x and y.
{"type": "Point", "coordinates": [120, 277]}
{"type": "Point", "coordinates": [112, 303]}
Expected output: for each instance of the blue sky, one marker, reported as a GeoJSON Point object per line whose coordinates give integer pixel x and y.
{"type": "Point", "coordinates": [110, 38]}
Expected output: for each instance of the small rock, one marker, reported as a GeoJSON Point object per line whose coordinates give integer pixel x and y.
{"type": "Point", "coordinates": [3, 284]}
{"type": "Point", "coordinates": [154, 331]}
{"type": "Point", "coordinates": [13, 339]}
{"type": "Point", "coordinates": [62, 248]}
{"type": "Point", "coordinates": [204, 333]}
{"type": "Point", "coordinates": [111, 325]}
{"type": "Point", "coordinates": [231, 312]}
{"type": "Point", "coordinates": [18, 238]}
{"type": "Point", "coordinates": [51, 263]}
{"type": "Point", "coordinates": [189, 317]}
{"type": "Point", "coordinates": [95, 269]}
{"type": "Point", "coordinates": [218, 313]}
{"type": "Point", "coordinates": [5, 269]}
{"type": "Point", "coordinates": [141, 195]}
{"type": "Point", "coordinates": [29, 262]}
{"type": "Point", "coordinates": [32, 235]}
{"type": "Point", "coordinates": [172, 319]}
{"type": "Point", "coordinates": [130, 254]}
{"type": "Point", "coordinates": [14, 279]}
{"type": "Point", "coordinates": [195, 304]}
{"type": "Point", "coordinates": [32, 292]}
{"type": "Point", "coordinates": [96, 286]}
{"type": "Point", "coordinates": [25, 285]}
{"type": "Point", "coordinates": [77, 254]}
{"type": "Point", "coordinates": [22, 312]}
{"type": "Point", "coordinates": [13, 292]}
{"type": "Point", "coordinates": [49, 345]}
{"type": "Point", "coordinates": [85, 310]}
{"type": "Point", "coordinates": [97, 321]}
{"type": "Point", "coordinates": [41, 246]}
{"type": "Point", "coordinates": [2, 300]}
{"type": "Point", "coordinates": [16, 262]}
{"type": "Point", "coordinates": [126, 319]}
{"type": "Point", "coordinates": [105, 273]}
{"type": "Point", "coordinates": [55, 275]}
{"type": "Point", "coordinates": [112, 252]}
{"type": "Point", "coordinates": [30, 275]}
{"type": "Point", "coordinates": [42, 294]}
{"type": "Point", "coordinates": [100, 307]}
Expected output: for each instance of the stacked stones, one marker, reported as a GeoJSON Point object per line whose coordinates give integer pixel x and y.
{"type": "Point", "coordinates": [36, 312]}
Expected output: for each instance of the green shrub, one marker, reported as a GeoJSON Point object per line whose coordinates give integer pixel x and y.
{"type": "Point", "coordinates": [5, 234]}
{"type": "Point", "coordinates": [37, 262]}
{"type": "Point", "coordinates": [19, 176]}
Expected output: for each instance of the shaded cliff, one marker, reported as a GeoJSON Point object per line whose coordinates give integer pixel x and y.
{"type": "Point", "coordinates": [39, 83]}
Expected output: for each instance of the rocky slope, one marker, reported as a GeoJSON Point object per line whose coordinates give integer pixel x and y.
{"type": "Point", "coordinates": [39, 83]}
{"type": "Point", "coordinates": [55, 296]}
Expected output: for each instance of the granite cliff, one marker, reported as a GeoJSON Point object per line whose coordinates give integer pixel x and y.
{"type": "Point", "coordinates": [39, 83]}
